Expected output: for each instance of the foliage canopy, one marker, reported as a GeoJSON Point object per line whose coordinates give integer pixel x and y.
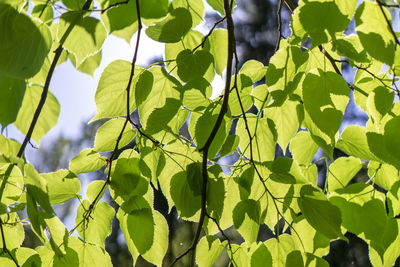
{"type": "Point", "coordinates": [297, 102]}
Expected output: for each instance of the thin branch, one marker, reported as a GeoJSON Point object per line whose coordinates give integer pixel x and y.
{"type": "Point", "coordinates": [279, 25]}
{"type": "Point", "coordinates": [208, 34]}
{"type": "Point", "coordinates": [389, 5]}
{"type": "Point", "coordinates": [291, 6]}
{"type": "Point", "coordinates": [115, 5]}
{"type": "Point", "coordinates": [5, 249]}
{"type": "Point", "coordinates": [331, 59]}
{"type": "Point", "coordinates": [388, 22]}
{"type": "Point", "coordinates": [205, 148]}
{"type": "Point", "coordinates": [88, 213]}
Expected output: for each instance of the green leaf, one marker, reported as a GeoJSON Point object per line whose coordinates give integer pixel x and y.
{"type": "Point", "coordinates": [195, 7]}
{"type": "Point", "coordinates": [25, 44]}
{"type": "Point", "coordinates": [263, 141]}
{"type": "Point", "coordinates": [152, 163]}
{"type": "Point", "coordinates": [261, 96]}
{"type": "Point", "coordinates": [219, 49]}
{"type": "Point", "coordinates": [159, 246]}
{"type": "Point", "coordinates": [321, 17]}
{"type": "Point", "coordinates": [253, 69]}
{"type": "Point", "coordinates": [379, 103]}
{"type": "Point", "coordinates": [341, 171]}
{"type": "Point", "coordinates": [89, 255]}
{"type": "Point", "coordinates": [208, 250]}
{"type": "Point", "coordinates": [384, 175]}
{"type": "Point", "coordinates": [43, 12]}
{"type": "Point", "coordinates": [164, 86]}
{"type": "Point", "coordinates": [201, 126]}
{"type": "Point", "coordinates": [285, 171]}
{"type": "Point", "coordinates": [185, 191]}
{"type": "Point", "coordinates": [89, 65]}
{"type": "Point", "coordinates": [111, 91]}
{"type": "Point", "coordinates": [12, 92]}
{"type": "Point", "coordinates": [187, 60]}
{"type": "Point", "coordinates": [354, 142]}
{"type": "Point", "coordinates": [37, 188]}
{"type": "Point", "coordinates": [14, 185]}
{"type": "Point", "coordinates": [374, 32]}
{"type": "Point", "coordinates": [8, 147]}
{"type": "Point", "coordinates": [126, 180]}
{"type": "Point", "coordinates": [285, 120]}
{"type": "Point", "coordinates": [325, 96]}
{"type": "Point", "coordinates": [313, 241]}
{"type": "Point", "coordinates": [106, 136]}
{"type": "Point", "coordinates": [391, 140]}
{"type": "Point", "coordinates": [246, 219]}
{"type": "Point", "coordinates": [320, 213]}
{"type": "Point", "coordinates": [152, 9]}
{"type": "Point", "coordinates": [88, 31]}
{"type": "Point", "coordinates": [48, 116]}
{"type": "Point", "coordinates": [350, 46]}
{"type": "Point", "coordinates": [217, 5]}
{"type": "Point", "coordinates": [261, 256]}
{"type": "Point", "coordinates": [62, 185]}
{"type": "Point", "coordinates": [285, 71]}
{"type": "Point", "coordinates": [24, 257]}
{"type": "Point", "coordinates": [172, 28]}
{"type": "Point", "coordinates": [230, 145]}
{"type": "Point", "coordinates": [160, 117]}
{"type": "Point", "coordinates": [303, 148]}
{"type": "Point", "coordinates": [139, 223]}
{"type": "Point", "coordinates": [13, 231]}
{"type": "Point", "coordinates": [280, 248]}
{"type": "Point", "coordinates": [121, 20]}
{"type": "Point", "coordinates": [93, 191]}
{"type": "Point", "coordinates": [87, 160]}
{"type": "Point", "coordinates": [99, 227]}
{"type": "Point", "coordinates": [244, 87]}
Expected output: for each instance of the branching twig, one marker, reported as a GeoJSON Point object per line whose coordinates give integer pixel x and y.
{"type": "Point", "coordinates": [5, 249]}
{"type": "Point", "coordinates": [88, 213]}
{"type": "Point", "coordinates": [388, 22]}
{"type": "Point", "coordinates": [290, 5]}
{"type": "Point", "coordinates": [280, 35]}
{"type": "Point", "coordinates": [205, 148]}
{"type": "Point", "coordinates": [208, 34]}
{"type": "Point", "coordinates": [389, 5]}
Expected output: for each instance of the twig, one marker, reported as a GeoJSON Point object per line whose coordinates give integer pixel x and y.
{"type": "Point", "coordinates": [88, 213]}
{"type": "Point", "coordinates": [290, 5]}
{"type": "Point", "coordinates": [5, 245]}
{"type": "Point", "coordinates": [279, 25]}
{"type": "Point", "coordinates": [388, 22]}
{"type": "Point", "coordinates": [208, 34]}
{"type": "Point", "coordinates": [45, 6]}
{"type": "Point", "coordinates": [389, 5]}
{"type": "Point", "coordinates": [205, 148]}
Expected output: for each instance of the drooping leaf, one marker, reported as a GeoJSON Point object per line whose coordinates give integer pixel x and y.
{"type": "Point", "coordinates": [325, 96]}
{"type": "Point", "coordinates": [208, 251]}
{"type": "Point", "coordinates": [172, 28]}
{"type": "Point", "coordinates": [12, 93]}
{"type": "Point", "coordinates": [374, 32]}
{"type": "Point", "coordinates": [320, 213]}
{"type": "Point", "coordinates": [106, 135]}
{"type": "Point", "coordinates": [25, 44]}
{"type": "Point", "coordinates": [341, 171]}
{"type": "Point", "coordinates": [88, 31]}
{"type": "Point", "coordinates": [87, 160]}
{"type": "Point", "coordinates": [303, 148]}
{"type": "Point", "coordinates": [126, 180]}
{"type": "Point", "coordinates": [99, 227]}
{"type": "Point", "coordinates": [62, 185]}
{"type": "Point", "coordinates": [111, 91]}
{"type": "Point", "coordinates": [47, 118]}
{"type": "Point", "coordinates": [246, 219]}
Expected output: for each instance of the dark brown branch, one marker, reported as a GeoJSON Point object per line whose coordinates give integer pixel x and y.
{"type": "Point", "coordinates": [205, 148]}
{"type": "Point", "coordinates": [331, 60]}
{"type": "Point", "coordinates": [5, 249]}
{"type": "Point", "coordinates": [208, 34]}
{"type": "Point", "coordinates": [88, 213]}
{"type": "Point", "coordinates": [388, 22]}
{"type": "Point", "coordinates": [389, 5]}
{"type": "Point", "coordinates": [279, 25]}
{"type": "Point", "coordinates": [290, 5]}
